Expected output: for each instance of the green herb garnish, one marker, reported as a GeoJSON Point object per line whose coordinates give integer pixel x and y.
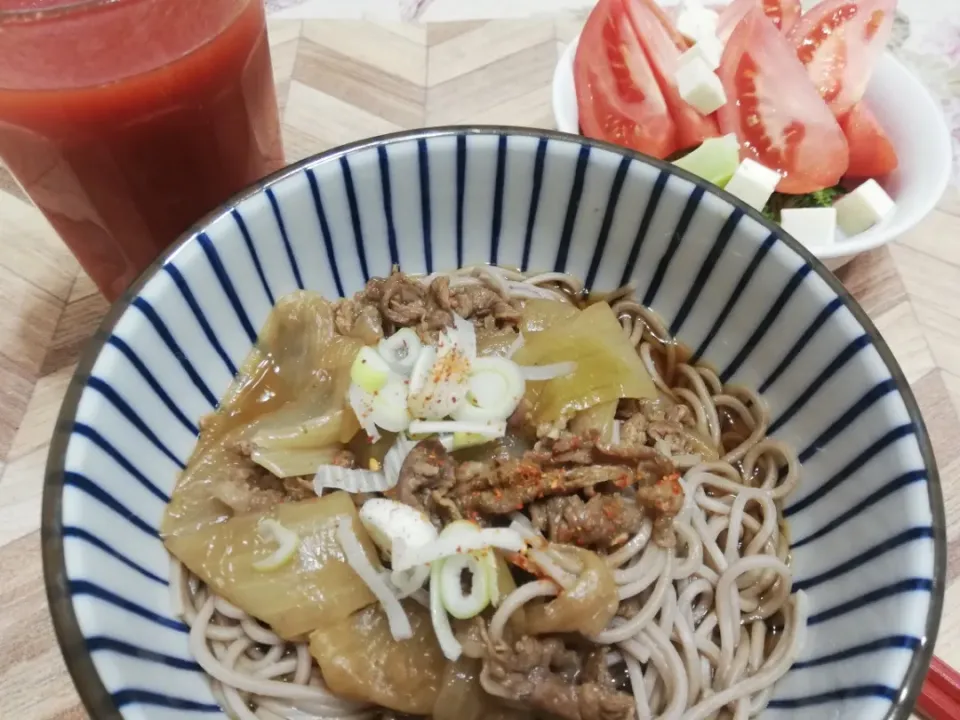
{"type": "Point", "coordinates": [820, 198]}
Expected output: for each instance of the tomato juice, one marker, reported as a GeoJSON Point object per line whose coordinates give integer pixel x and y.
{"type": "Point", "coordinates": [127, 120]}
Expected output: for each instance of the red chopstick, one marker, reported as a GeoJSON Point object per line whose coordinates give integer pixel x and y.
{"type": "Point", "coordinates": [940, 697]}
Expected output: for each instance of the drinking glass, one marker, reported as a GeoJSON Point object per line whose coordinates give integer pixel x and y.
{"type": "Point", "coordinates": [126, 121]}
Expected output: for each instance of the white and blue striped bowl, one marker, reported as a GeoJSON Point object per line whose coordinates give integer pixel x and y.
{"type": "Point", "coordinates": [868, 521]}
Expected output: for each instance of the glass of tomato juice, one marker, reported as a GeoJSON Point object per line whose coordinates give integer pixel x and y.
{"type": "Point", "coordinates": [126, 121]}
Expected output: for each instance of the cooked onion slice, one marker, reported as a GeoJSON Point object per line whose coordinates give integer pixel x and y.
{"type": "Point", "coordinates": [457, 542]}
{"type": "Point", "coordinates": [287, 541]}
{"type": "Point", "coordinates": [534, 373]}
{"type": "Point", "coordinates": [350, 480]}
{"type": "Point", "coordinates": [394, 457]}
{"type": "Point", "coordinates": [464, 606]}
{"type": "Point", "coordinates": [369, 371]}
{"type": "Point", "coordinates": [400, 626]}
{"type": "Point", "coordinates": [401, 351]}
{"type": "Point", "coordinates": [494, 388]}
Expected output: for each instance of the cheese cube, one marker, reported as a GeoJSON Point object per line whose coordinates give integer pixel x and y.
{"type": "Point", "coordinates": [753, 183]}
{"type": "Point", "coordinates": [708, 48]}
{"type": "Point", "coordinates": [863, 208]}
{"type": "Point", "coordinates": [694, 21]}
{"type": "Point", "coordinates": [699, 86]}
{"type": "Point", "coordinates": [814, 227]}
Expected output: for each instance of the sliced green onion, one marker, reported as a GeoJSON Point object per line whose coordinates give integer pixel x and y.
{"type": "Point", "coordinates": [463, 440]}
{"type": "Point", "coordinates": [388, 521]}
{"type": "Point", "coordinates": [495, 387]}
{"type": "Point", "coordinates": [437, 390]}
{"type": "Point", "coordinates": [464, 606]}
{"type": "Point", "coordinates": [515, 346]}
{"type": "Point", "coordinates": [487, 428]}
{"type": "Point", "coordinates": [409, 581]}
{"type": "Point", "coordinates": [369, 371]}
{"type": "Point", "coordinates": [460, 526]}
{"type": "Point", "coordinates": [420, 372]}
{"type": "Point", "coordinates": [547, 372]}
{"type": "Point", "coordinates": [287, 540]}
{"type": "Point", "coordinates": [489, 562]}
{"type": "Point", "coordinates": [361, 402]}
{"type": "Point", "coordinates": [456, 543]}
{"type": "Point", "coordinates": [389, 408]}
{"type": "Point", "coordinates": [401, 351]}
{"type": "Point", "coordinates": [449, 644]}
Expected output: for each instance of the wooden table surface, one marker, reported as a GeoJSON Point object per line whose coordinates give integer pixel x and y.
{"type": "Point", "coordinates": [339, 81]}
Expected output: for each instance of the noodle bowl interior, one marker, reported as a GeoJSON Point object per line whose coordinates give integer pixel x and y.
{"type": "Point", "coordinates": [484, 494]}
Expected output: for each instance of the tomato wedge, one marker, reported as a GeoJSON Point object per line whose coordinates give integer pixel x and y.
{"type": "Point", "coordinates": [776, 113]}
{"type": "Point", "coordinates": [783, 13]}
{"type": "Point", "coordinates": [871, 152]}
{"type": "Point", "coordinates": [667, 18]}
{"type": "Point", "coordinates": [664, 45]}
{"type": "Point", "coordinates": [839, 42]}
{"type": "Point", "coordinates": [617, 94]}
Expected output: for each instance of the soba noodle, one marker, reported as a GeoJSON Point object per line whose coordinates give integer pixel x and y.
{"type": "Point", "coordinates": [714, 624]}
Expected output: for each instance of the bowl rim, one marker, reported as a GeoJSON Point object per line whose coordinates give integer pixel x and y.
{"type": "Point", "coordinates": [852, 246]}
{"type": "Point", "coordinates": [77, 657]}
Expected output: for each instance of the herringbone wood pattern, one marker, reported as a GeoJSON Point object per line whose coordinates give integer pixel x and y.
{"type": "Point", "coordinates": [339, 81]}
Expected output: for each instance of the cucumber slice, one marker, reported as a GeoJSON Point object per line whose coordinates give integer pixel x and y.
{"type": "Point", "coordinates": [715, 160]}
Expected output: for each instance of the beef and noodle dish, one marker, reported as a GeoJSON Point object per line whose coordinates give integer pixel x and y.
{"type": "Point", "coordinates": [484, 495]}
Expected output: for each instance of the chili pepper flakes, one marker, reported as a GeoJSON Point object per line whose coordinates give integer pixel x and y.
{"type": "Point", "coordinates": [673, 480]}
{"type": "Point", "coordinates": [524, 564]}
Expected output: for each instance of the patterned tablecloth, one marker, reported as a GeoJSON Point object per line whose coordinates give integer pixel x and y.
{"type": "Point", "coordinates": [366, 73]}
